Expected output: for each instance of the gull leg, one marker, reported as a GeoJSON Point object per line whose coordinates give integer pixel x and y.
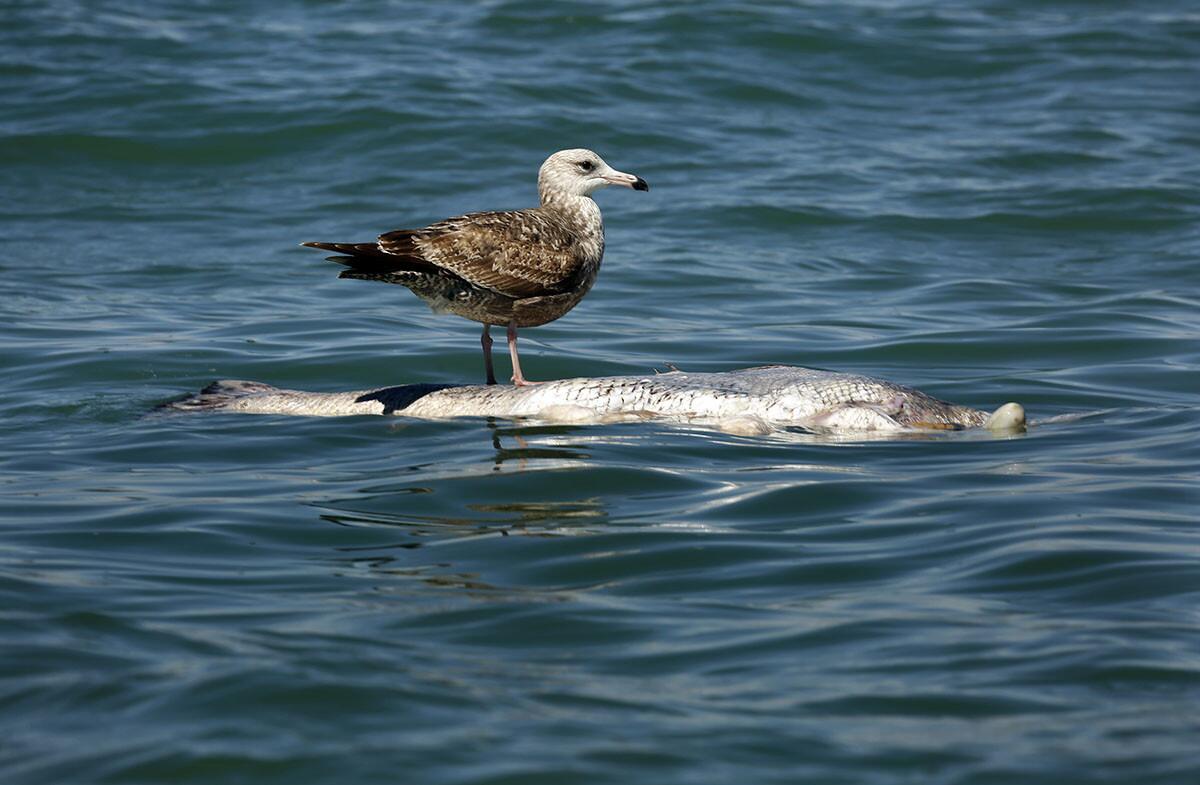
{"type": "Point", "coordinates": [517, 378]}
{"type": "Point", "coordinates": [485, 340]}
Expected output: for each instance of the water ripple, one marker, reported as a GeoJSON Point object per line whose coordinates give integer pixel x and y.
{"type": "Point", "coordinates": [990, 202]}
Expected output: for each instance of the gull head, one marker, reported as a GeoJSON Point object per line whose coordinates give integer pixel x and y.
{"type": "Point", "coordinates": [580, 172]}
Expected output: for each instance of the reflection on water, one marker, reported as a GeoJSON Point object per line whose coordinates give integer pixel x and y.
{"type": "Point", "coordinates": [524, 518]}
{"type": "Point", "coordinates": [522, 453]}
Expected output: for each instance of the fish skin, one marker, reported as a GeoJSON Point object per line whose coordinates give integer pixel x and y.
{"type": "Point", "coordinates": [782, 396]}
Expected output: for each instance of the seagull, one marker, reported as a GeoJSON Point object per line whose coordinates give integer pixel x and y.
{"type": "Point", "coordinates": [515, 268]}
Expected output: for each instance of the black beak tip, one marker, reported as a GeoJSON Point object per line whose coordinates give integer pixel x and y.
{"type": "Point", "coordinates": [640, 185]}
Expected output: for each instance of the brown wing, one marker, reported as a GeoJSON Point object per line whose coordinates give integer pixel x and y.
{"type": "Point", "coordinates": [521, 253]}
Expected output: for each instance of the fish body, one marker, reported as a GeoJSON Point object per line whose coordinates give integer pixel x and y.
{"type": "Point", "coordinates": [774, 396]}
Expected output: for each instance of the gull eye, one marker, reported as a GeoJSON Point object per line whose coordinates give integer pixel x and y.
{"type": "Point", "coordinates": [586, 166]}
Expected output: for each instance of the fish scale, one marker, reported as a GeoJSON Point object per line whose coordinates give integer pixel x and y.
{"type": "Point", "coordinates": [776, 395]}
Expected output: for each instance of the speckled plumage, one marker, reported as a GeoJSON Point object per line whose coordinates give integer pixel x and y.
{"type": "Point", "coordinates": [529, 265]}
{"type": "Point", "coordinates": [517, 268]}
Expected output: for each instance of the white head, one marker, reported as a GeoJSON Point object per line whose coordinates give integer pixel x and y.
{"type": "Point", "coordinates": [579, 172]}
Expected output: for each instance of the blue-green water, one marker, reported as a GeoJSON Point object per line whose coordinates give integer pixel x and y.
{"type": "Point", "coordinates": [992, 201]}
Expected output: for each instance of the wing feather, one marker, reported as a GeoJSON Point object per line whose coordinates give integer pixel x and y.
{"type": "Point", "coordinates": [521, 253]}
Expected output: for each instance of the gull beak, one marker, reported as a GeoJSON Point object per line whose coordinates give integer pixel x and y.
{"type": "Point", "coordinates": [613, 177]}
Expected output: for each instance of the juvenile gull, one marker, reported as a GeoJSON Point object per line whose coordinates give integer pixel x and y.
{"type": "Point", "coordinates": [517, 268]}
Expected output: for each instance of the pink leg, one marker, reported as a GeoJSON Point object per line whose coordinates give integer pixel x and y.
{"type": "Point", "coordinates": [518, 378]}
{"type": "Point", "coordinates": [485, 340]}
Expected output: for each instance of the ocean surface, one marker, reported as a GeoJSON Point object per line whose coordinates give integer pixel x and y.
{"type": "Point", "coordinates": [990, 201]}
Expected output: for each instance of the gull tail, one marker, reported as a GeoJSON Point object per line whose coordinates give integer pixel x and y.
{"type": "Point", "coordinates": [349, 249]}
{"type": "Point", "coordinates": [369, 261]}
